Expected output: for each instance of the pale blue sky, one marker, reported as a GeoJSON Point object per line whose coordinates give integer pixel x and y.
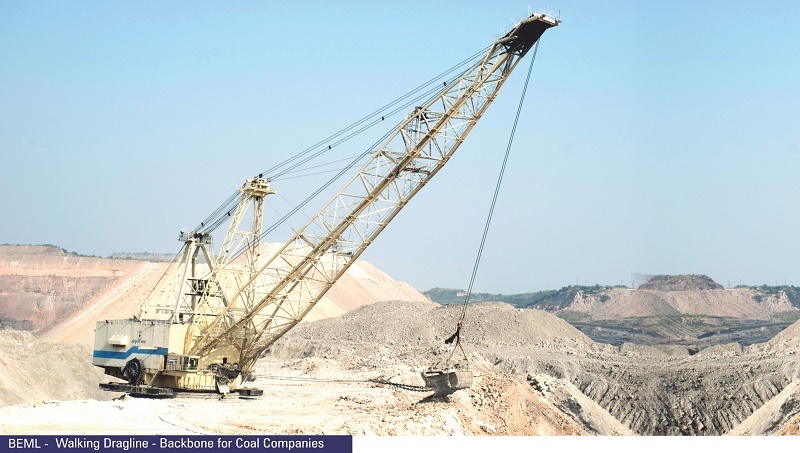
{"type": "Point", "coordinates": [657, 137]}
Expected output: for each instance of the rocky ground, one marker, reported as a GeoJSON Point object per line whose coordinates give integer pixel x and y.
{"type": "Point", "coordinates": [651, 391]}
{"type": "Point", "coordinates": [534, 373]}
{"type": "Point", "coordinates": [59, 296]}
{"type": "Point", "coordinates": [36, 371]}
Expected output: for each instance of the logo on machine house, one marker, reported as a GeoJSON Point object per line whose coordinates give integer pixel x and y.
{"type": "Point", "coordinates": [139, 341]}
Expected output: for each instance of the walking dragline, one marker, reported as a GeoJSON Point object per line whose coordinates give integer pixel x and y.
{"type": "Point", "coordinates": [204, 326]}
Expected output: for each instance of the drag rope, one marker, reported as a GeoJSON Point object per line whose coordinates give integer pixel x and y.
{"type": "Point", "coordinates": [409, 387]}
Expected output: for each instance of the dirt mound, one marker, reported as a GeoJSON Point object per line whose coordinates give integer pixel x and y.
{"type": "Point", "coordinates": [35, 371]}
{"type": "Point", "coordinates": [406, 327]}
{"type": "Point", "coordinates": [362, 284]}
{"type": "Point", "coordinates": [674, 316]}
{"type": "Point", "coordinates": [382, 335]}
{"type": "Point", "coordinates": [789, 337]}
{"type": "Point", "coordinates": [692, 282]}
{"type": "Point", "coordinates": [42, 284]}
{"type": "Point", "coordinates": [500, 404]}
{"type": "Point", "coordinates": [665, 303]}
{"type": "Point", "coordinates": [779, 415]}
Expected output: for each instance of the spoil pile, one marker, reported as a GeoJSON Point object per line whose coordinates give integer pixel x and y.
{"type": "Point", "coordinates": [34, 371]}
{"type": "Point", "coordinates": [691, 282]}
{"type": "Point", "coordinates": [780, 415]}
{"type": "Point", "coordinates": [647, 389]}
{"type": "Point", "coordinates": [656, 393]}
{"type": "Point", "coordinates": [401, 327]}
{"type": "Point", "coordinates": [382, 335]}
{"type": "Point", "coordinates": [788, 338]}
{"type": "Point", "coordinates": [413, 333]}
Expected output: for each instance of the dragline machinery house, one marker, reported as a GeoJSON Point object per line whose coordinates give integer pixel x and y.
{"type": "Point", "coordinates": [205, 324]}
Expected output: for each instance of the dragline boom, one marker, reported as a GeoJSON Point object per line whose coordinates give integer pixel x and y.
{"type": "Point", "coordinates": [209, 319]}
{"type": "Point", "coordinates": [300, 273]}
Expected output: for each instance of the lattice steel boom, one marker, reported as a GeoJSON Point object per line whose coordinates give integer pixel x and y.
{"type": "Point", "coordinates": [295, 278]}
{"type": "Point", "coordinates": [209, 318]}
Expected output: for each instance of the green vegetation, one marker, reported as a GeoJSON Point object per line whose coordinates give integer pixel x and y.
{"type": "Point", "coordinates": [540, 299]}
{"type": "Point", "coordinates": [768, 289]}
{"type": "Point", "coordinates": [792, 292]}
{"type": "Point", "coordinates": [574, 318]}
{"type": "Point", "coordinates": [55, 247]}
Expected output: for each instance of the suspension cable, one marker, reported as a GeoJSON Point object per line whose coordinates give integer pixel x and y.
{"type": "Point", "coordinates": [378, 111]}
{"type": "Point", "coordinates": [216, 218]}
{"type": "Point", "coordinates": [426, 95]}
{"type": "Point", "coordinates": [319, 190]}
{"type": "Point", "coordinates": [457, 336]}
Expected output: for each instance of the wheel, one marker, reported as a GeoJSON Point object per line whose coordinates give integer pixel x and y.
{"type": "Point", "coordinates": [133, 371]}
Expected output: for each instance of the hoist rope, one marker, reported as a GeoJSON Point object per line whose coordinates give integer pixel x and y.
{"type": "Point", "coordinates": [164, 275]}
{"type": "Point", "coordinates": [456, 337]}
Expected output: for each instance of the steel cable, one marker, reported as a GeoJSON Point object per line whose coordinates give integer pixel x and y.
{"type": "Point", "coordinates": [219, 215]}
{"type": "Point", "coordinates": [457, 336]}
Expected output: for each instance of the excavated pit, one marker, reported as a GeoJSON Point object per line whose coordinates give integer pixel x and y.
{"type": "Point", "coordinates": [537, 374]}
{"type": "Point", "coordinates": [654, 394]}
{"type": "Point", "coordinates": [668, 391]}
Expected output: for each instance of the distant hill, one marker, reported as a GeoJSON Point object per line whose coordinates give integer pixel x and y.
{"type": "Point", "coordinates": [144, 256]}
{"type": "Point", "coordinates": [59, 294]}
{"type": "Point", "coordinates": [681, 283]}
{"type": "Point", "coordinates": [42, 284]}
{"type": "Point", "coordinates": [673, 309]}
{"type": "Point", "coordinates": [548, 300]}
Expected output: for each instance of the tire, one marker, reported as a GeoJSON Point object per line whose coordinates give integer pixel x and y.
{"type": "Point", "coordinates": [133, 371]}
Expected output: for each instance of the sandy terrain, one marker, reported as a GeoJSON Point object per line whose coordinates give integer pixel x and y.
{"type": "Point", "coordinates": [362, 284]}
{"type": "Point", "coordinates": [36, 371]}
{"type": "Point", "coordinates": [324, 387]}
{"type": "Point", "coordinates": [310, 396]}
{"type": "Point", "coordinates": [535, 374]}
{"type": "Point", "coordinates": [735, 303]}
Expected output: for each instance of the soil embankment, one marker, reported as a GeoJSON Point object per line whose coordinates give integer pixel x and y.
{"type": "Point", "coordinates": [33, 371]}
{"type": "Point", "coordinates": [60, 296]}
{"type": "Point", "coordinates": [535, 373]}
{"type": "Point", "coordinates": [40, 285]}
